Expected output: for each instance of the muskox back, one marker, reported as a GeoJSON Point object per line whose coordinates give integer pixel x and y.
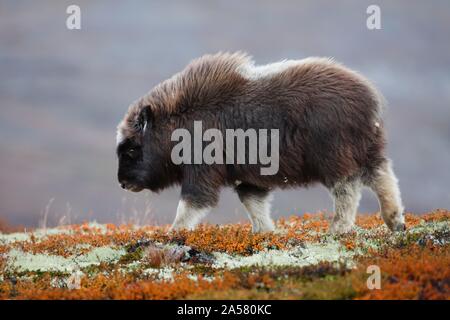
{"type": "Point", "coordinates": [329, 123]}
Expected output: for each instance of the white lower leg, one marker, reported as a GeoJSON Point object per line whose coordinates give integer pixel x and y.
{"type": "Point", "coordinates": [385, 185]}
{"type": "Point", "coordinates": [188, 216]}
{"type": "Point", "coordinates": [346, 199]}
{"type": "Point", "coordinates": [258, 209]}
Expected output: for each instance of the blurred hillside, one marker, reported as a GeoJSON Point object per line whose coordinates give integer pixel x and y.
{"type": "Point", "coordinates": [63, 92]}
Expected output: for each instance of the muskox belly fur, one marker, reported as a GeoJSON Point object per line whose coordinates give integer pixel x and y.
{"type": "Point", "coordinates": [330, 126]}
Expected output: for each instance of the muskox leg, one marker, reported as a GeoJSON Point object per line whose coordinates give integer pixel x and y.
{"type": "Point", "coordinates": [195, 203]}
{"type": "Point", "coordinates": [346, 194]}
{"type": "Point", "coordinates": [188, 215]}
{"type": "Point", "coordinates": [257, 202]}
{"type": "Point", "coordinates": [385, 184]}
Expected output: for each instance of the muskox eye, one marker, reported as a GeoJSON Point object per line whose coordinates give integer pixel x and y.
{"type": "Point", "coordinates": [131, 153]}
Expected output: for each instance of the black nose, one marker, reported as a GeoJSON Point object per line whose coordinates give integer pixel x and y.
{"type": "Point", "coordinates": [123, 184]}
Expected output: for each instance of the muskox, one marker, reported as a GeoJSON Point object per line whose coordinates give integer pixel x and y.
{"type": "Point", "coordinates": [330, 126]}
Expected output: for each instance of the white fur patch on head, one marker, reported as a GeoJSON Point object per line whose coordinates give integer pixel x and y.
{"type": "Point", "coordinates": [119, 136]}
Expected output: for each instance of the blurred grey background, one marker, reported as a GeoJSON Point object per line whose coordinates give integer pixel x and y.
{"type": "Point", "coordinates": [62, 93]}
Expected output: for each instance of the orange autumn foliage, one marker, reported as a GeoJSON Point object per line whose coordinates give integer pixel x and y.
{"type": "Point", "coordinates": [409, 270]}
{"type": "Point", "coordinates": [409, 273]}
{"type": "Point", "coordinates": [117, 286]}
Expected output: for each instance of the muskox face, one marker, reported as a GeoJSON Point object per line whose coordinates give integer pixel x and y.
{"type": "Point", "coordinates": [139, 153]}
{"type": "Point", "coordinates": [132, 173]}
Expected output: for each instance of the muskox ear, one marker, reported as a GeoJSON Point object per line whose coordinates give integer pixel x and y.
{"type": "Point", "coordinates": [145, 119]}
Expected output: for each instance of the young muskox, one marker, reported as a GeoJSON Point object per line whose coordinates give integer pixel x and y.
{"type": "Point", "coordinates": [330, 132]}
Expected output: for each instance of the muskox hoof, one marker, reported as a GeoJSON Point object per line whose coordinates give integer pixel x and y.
{"type": "Point", "coordinates": [339, 229]}
{"type": "Point", "coordinates": [399, 227]}
{"type": "Point", "coordinates": [263, 226]}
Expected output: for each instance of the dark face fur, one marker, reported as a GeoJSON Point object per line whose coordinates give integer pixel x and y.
{"type": "Point", "coordinates": [144, 158]}
{"type": "Point", "coordinates": [132, 173]}
{"type": "Point", "coordinates": [141, 159]}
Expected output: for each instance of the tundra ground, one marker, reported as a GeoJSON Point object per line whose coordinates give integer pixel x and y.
{"type": "Point", "coordinates": [298, 261]}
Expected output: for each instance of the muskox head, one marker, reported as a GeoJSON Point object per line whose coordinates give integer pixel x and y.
{"type": "Point", "coordinates": [141, 150]}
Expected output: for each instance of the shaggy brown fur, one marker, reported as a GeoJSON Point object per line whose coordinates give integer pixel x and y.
{"type": "Point", "coordinates": [329, 121]}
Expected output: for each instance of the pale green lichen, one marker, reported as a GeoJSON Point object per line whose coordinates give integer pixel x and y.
{"type": "Point", "coordinates": [330, 248]}
{"type": "Point", "coordinates": [165, 274]}
{"type": "Point", "coordinates": [13, 237]}
{"type": "Point", "coordinates": [301, 256]}
{"type": "Point", "coordinates": [19, 261]}
{"type": "Point", "coordinates": [380, 237]}
{"type": "Point", "coordinates": [72, 282]}
{"type": "Point", "coordinates": [37, 235]}
{"type": "Point", "coordinates": [40, 234]}
{"type": "Point", "coordinates": [431, 227]}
